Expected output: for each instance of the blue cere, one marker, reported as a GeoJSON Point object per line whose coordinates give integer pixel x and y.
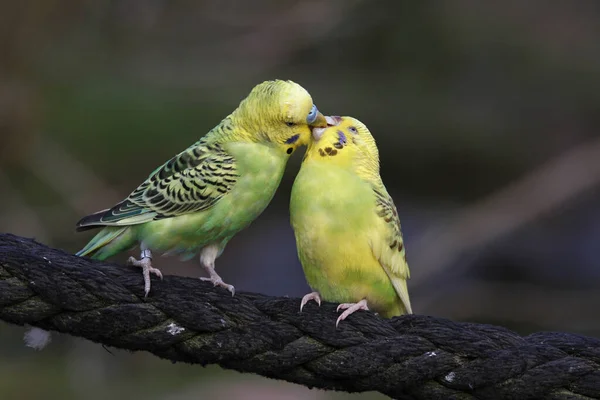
{"type": "Point", "coordinates": [312, 115]}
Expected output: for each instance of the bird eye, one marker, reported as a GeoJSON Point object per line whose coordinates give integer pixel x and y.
{"type": "Point", "coordinates": [353, 130]}
{"type": "Point", "coordinates": [290, 123]}
{"type": "Point", "coordinates": [312, 115]}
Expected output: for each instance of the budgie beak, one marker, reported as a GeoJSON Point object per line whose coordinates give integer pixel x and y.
{"type": "Point", "coordinates": [319, 122]}
{"type": "Point", "coordinates": [330, 121]}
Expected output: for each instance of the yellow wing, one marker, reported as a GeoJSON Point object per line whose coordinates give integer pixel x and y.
{"type": "Point", "coordinates": [194, 180]}
{"type": "Point", "coordinates": [389, 250]}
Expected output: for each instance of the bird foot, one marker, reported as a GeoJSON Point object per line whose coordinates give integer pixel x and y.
{"type": "Point", "coordinates": [217, 281]}
{"type": "Point", "coordinates": [350, 308]}
{"type": "Point", "coordinates": [147, 269]}
{"type": "Point", "coordinates": [311, 296]}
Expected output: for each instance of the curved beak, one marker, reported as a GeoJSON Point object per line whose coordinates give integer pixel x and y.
{"type": "Point", "coordinates": [320, 121]}
{"type": "Point", "coordinates": [318, 131]}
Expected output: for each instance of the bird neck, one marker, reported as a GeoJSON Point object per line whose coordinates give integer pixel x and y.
{"type": "Point", "coordinates": [367, 169]}
{"type": "Point", "coordinates": [233, 129]}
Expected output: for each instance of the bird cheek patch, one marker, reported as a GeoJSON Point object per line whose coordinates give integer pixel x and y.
{"type": "Point", "coordinates": [341, 142]}
{"type": "Point", "coordinates": [342, 138]}
{"type": "Point", "coordinates": [293, 139]}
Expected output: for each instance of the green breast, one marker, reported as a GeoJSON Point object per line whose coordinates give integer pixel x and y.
{"type": "Point", "coordinates": [261, 169]}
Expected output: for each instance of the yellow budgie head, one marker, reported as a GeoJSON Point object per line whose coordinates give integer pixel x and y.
{"type": "Point", "coordinates": [281, 113]}
{"type": "Point", "coordinates": [345, 142]}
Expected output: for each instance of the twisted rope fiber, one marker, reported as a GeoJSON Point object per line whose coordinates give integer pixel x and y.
{"type": "Point", "coordinates": [185, 319]}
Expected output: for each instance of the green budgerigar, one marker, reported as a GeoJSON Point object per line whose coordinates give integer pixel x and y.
{"type": "Point", "coordinates": [199, 199]}
{"type": "Point", "coordinates": [346, 225]}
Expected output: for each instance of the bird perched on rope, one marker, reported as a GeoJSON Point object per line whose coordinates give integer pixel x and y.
{"type": "Point", "coordinates": [346, 225]}
{"type": "Point", "coordinates": [199, 199]}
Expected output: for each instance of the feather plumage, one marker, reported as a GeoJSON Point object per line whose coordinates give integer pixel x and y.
{"type": "Point", "coordinates": [346, 224]}
{"type": "Point", "coordinates": [200, 198]}
{"type": "Point", "coordinates": [191, 181]}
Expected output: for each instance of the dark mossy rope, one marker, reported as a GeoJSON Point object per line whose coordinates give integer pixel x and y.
{"type": "Point", "coordinates": [184, 319]}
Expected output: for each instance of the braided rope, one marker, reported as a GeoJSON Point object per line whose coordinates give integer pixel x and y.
{"type": "Point", "coordinates": [185, 319]}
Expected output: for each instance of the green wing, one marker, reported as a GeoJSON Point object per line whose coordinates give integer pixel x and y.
{"type": "Point", "coordinates": [192, 181]}
{"type": "Point", "coordinates": [392, 254]}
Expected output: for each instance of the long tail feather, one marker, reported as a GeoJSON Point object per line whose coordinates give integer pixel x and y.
{"type": "Point", "coordinates": [91, 221]}
{"type": "Point", "coordinates": [104, 237]}
{"type": "Point", "coordinates": [402, 290]}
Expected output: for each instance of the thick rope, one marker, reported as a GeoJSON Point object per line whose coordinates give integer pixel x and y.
{"type": "Point", "coordinates": [185, 319]}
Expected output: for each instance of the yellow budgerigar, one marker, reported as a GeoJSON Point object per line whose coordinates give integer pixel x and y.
{"type": "Point", "coordinates": [346, 224]}
{"type": "Point", "coordinates": [199, 199]}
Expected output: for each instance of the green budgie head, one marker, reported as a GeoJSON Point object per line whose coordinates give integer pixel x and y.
{"type": "Point", "coordinates": [279, 112]}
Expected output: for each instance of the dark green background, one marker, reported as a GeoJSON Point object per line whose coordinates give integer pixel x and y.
{"type": "Point", "coordinates": [465, 98]}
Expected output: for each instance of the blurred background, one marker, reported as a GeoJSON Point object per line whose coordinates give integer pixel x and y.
{"type": "Point", "coordinates": [486, 114]}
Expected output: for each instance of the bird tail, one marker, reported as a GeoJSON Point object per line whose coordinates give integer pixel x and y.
{"type": "Point", "coordinates": [91, 221]}
{"type": "Point", "coordinates": [402, 290]}
{"type": "Point", "coordinates": [105, 243]}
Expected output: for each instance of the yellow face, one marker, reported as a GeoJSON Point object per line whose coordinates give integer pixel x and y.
{"type": "Point", "coordinates": [282, 113]}
{"type": "Point", "coordinates": [345, 141]}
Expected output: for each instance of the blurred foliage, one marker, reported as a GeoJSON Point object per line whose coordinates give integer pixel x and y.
{"type": "Point", "coordinates": [465, 98]}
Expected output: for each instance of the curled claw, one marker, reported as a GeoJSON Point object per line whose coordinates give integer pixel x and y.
{"type": "Point", "coordinates": [350, 308]}
{"type": "Point", "coordinates": [217, 281]}
{"type": "Point", "coordinates": [311, 296]}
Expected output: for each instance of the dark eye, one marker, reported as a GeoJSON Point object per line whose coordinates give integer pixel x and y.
{"type": "Point", "coordinates": [290, 123]}
{"type": "Point", "coordinates": [290, 150]}
{"type": "Point", "coordinates": [353, 130]}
